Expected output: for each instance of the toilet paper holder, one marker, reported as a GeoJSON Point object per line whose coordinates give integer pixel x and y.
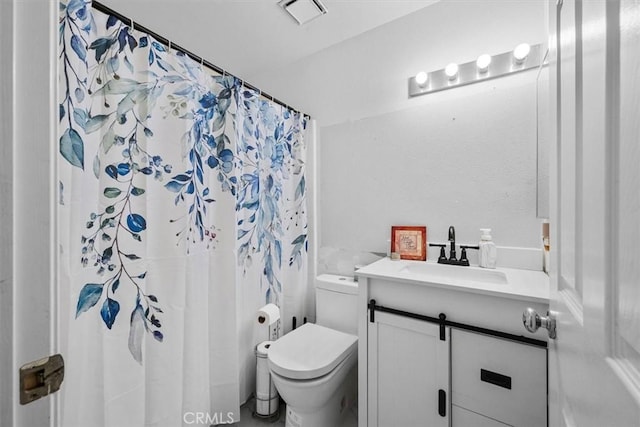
{"type": "Point", "coordinates": [268, 318]}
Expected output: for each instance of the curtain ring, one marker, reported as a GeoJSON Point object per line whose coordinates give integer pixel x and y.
{"type": "Point", "coordinates": [169, 46]}
{"type": "Point", "coordinates": [201, 62]}
{"type": "Point", "coordinates": [132, 24]}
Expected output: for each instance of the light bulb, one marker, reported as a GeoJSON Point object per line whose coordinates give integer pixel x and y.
{"type": "Point", "coordinates": [451, 71]}
{"type": "Point", "coordinates": [521, 52]}
{"type": "Point", "coordinates": [483, 63]}
{"type": "Point", "coordinates": [421, 78]}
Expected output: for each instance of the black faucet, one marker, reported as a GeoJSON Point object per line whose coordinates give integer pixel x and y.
{"type": "Point", "coordinates": [452, 260]}
{"type": "Point", "coordinates": [452, 241]}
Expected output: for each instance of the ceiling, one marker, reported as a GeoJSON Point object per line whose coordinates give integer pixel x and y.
{"type": "Point", "coordinates": [248, 37]}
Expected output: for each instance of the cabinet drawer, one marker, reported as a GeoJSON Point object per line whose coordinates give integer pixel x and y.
{"type": "Point", "coordinates": [461, 417]}
{"type": "Point", "coordinates": [501, 379]}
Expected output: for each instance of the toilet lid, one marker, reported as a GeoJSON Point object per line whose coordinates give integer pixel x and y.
{"type": "Point", "coordinates": [310, 351]}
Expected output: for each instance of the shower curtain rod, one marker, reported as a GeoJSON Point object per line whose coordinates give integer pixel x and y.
{"type": "Point", "coordinates": [102, 8]}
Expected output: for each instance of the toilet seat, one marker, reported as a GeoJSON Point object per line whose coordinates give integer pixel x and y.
{"type": "Point", "coordinates": [309, 352]}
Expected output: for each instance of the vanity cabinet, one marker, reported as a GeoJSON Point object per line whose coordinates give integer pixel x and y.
{"type": "Point", "coordinates": [408, 373]}
{"type": "Point", "coordinates": [437, 353]}
{"type": "Point", "coordinates": [412, 374]}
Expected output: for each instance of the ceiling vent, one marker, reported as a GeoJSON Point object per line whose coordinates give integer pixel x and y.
{"type": "Point", "coordinates": [303, 11]}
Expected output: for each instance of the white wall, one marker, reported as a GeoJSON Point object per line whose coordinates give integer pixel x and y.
{"type": "Point", "coordinates": [463, 157]}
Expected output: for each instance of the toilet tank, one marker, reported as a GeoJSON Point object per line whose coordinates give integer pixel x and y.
{"type": "Point", "coordinates": [337, 303]}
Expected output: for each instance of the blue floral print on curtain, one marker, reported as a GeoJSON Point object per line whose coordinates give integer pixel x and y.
{"type": "Point", "coordinates": [126, 104]}
{"type": "Point", "coordinates": [113, 81]}
{"type": "Point", "coordinates": [268, 156]}
{"type": "Point", "coordinates": [208, 147]}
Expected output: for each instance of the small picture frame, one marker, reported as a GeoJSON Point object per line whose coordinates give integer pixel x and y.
{"type": "Point", "coordinates": [409, 241]}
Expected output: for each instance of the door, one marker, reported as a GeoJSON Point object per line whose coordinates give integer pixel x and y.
{"type": "Point", "coordinates": [408, 373]}
{"type": "Point", "coordinates": [594, 364]}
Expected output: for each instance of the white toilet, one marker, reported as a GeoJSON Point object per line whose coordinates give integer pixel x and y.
{"type": "Point", "coordinates": [314, 367]}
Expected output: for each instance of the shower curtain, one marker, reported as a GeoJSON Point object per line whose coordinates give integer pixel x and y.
{"type": "Point", "coordinates": [182, 210]}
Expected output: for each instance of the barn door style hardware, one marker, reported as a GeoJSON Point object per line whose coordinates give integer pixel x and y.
{"type": "Point", "coordinates": [443, 322]}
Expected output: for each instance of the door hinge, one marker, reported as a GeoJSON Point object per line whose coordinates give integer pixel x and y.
{"type": "Point", "coordinates": [41, 378]}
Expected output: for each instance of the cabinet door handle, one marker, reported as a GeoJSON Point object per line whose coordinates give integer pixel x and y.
{"type": "Point", "coordinates": [495, 379]}
{"type": "Point", "coordinates": [442, 403]}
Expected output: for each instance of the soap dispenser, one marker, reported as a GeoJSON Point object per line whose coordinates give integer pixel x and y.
{"type": "Point", "coordinates": [488, 252]}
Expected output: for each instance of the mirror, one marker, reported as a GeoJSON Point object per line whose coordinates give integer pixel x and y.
{"type": "Point", "coordinates": [542, 139]}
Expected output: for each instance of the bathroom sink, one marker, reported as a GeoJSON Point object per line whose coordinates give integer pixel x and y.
{"type": "Point", "coordinates": [455, 274]}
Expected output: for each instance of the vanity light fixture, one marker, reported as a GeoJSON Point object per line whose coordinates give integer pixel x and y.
{"type": "Point", "coordinates": [485, 67]}
{"type": "Point", "coordinates": [422, 78]}
{"type": "Point", "coordinates": [451, 71]}
{"type": "Point", "coordinates": [483, 63]}
{"type": "Point", "coordinates": [521, 52]}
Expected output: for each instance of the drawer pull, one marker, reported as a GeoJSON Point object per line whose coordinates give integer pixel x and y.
{"type": "Point", "coordinates": [495, 379]}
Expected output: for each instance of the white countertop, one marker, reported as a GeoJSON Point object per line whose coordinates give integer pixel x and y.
{"type": "Point", "coordinates": [525, 285]}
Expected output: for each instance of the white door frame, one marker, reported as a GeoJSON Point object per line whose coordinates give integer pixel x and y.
{"type": "Point", "coordinates": [29, 123]}
{"type": "Point", "coordinates": [6, 212]}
